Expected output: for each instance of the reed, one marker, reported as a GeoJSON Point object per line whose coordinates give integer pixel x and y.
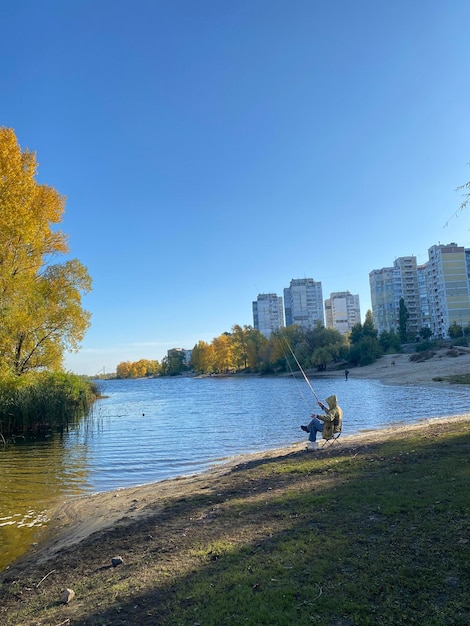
{"type": "Point", "coordinates": [49, 401]}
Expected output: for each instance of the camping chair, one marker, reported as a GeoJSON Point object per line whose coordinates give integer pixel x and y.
{"type": "Point", "coordinates": [327, 441]}
{"type": "Point", "coordinates": [330, 441]}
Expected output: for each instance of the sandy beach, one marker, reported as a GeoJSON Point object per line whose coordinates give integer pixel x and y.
{"type": "Point", "coordinates": [77, 519]}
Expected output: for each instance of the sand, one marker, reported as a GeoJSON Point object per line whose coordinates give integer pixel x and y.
{"type": "Point", "coordinates": [76, 519]}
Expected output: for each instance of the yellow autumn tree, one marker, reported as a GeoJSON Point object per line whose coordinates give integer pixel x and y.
{"type": "Point", "coordinates": [222, 353]}
{"type": "Point", "coordinates": [41, 314]}
{"type": "Point", "coordinates": [202, 357]}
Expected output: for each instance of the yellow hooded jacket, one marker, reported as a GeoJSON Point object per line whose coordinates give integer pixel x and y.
{"type": "Point", "coordinates": [333, 418]}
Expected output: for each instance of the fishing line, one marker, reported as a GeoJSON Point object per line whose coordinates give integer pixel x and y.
{"type": "Point", "coordinates": [300, 368]}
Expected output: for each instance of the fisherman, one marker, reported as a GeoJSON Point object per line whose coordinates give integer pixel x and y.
{"type": "Point", "coordinates": [327, 424]}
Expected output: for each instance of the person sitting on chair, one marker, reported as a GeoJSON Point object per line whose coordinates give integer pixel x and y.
{"type": "Point", "coordinates": [327, 424]}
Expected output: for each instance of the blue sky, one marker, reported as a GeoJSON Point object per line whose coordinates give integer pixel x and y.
{"type": "Point", "coordinates": [211, 150]}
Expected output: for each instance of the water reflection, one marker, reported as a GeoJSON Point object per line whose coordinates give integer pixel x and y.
{"type": "Point", "coordinates": [33, 476]}
{"type": "Point", "coordinates": [148, 430]}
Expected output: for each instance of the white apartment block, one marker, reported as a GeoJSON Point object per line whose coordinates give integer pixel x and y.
{"type": "Point", "coordinates": [268, 314]}
{"type": "Point", "coordinates": [448, 287]}
{"type": "Point", "coordinates": [342, 311]}
{"type": "Point", "coordinates": [303, 303]}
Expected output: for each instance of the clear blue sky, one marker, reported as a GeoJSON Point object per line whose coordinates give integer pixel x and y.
{"type": "Point", "coordinates": [211, 150]}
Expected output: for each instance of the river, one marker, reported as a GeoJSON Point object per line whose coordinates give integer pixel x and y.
{"type": "Point", "coordinates": [150, 430]}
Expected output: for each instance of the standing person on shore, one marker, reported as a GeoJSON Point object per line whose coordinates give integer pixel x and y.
{"type": "Point", "coordinates": [327, 424]}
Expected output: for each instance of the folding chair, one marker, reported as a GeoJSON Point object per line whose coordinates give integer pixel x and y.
{"type": "Point", "coordinates": [330, 441]}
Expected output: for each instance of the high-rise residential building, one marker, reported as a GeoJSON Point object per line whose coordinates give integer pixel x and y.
{"type": "Point", "coordinates": [436, 294]}
{"type": "Point", "coordinates": [467, 259]}
{"type": "Point", "coordinates": [387, 286]}
{"type": "Point", "coordinates": [423, 296]}
{"type": "Point", "coordinates": [408, 287]}
{"type": "Point", "coordinates": [303, 303]}
{"type": "Point", "coordinates": [385, 297]}
{"type": "Point", "coordinates": [268, 315]}
{"type": "Point", "coordinates": [448, 287]}
{"type": "Point", "coordinates": [342, 311]}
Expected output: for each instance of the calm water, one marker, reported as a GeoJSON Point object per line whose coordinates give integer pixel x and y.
{"type": "Point", "coordinates": [149, 430]}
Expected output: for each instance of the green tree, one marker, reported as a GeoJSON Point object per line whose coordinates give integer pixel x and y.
{"type": "Point", "coordinates": [390, 341]}
{"type": "Point", "coordinates": [425, 333]}
{"type": "Point", "coordinates": [368, 329]}
{"type": "Point", "coordinates": [175, 362]}
{"type": "Point", "coordinates": [455, 330]}
{"type": "Point", "coordinates": [365, 351]}
{"type": "Point", "coordinates": [41, 314]}
{"type": "Point", "coordinates": [365, 347]}
{"type": "Point", "coordinates": [320, 358]}
{"type": "Point", "coordinates": [403, 317]}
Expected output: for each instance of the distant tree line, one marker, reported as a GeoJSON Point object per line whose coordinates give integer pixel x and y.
{"type": "Point", "coordinates": [245, 349]}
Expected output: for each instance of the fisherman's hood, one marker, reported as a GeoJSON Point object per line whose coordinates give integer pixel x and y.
{"type": "Point", "coordinates": [332, 402]}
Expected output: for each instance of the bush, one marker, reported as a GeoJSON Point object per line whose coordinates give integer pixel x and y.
{"type": "Point", "coordinates": [422, 356]}
{"type": "Point", "coordinates": [366, 351]}
{"type": "Point", "coordinates": [424, 346]}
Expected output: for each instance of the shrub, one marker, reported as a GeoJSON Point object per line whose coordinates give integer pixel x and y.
{"type": "Point", "coordinates": [418, 357]}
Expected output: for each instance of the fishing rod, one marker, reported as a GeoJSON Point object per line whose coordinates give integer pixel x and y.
{"type": "Point", "coordinates": [300, 368]}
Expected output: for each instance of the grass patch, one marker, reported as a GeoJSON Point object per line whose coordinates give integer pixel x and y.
{"type": "Point", "coordinates": [362, 534]}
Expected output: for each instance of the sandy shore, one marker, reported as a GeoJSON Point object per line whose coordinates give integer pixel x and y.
{"type": "Point", "coordinates": [76, 519]}
{"type": "Point", "coordinates": [397, 369]}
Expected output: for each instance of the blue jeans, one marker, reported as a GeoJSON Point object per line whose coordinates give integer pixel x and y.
{"type": "Point", "coordinates": [315, 426]}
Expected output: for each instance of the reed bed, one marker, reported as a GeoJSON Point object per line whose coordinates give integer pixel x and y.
{"type": "Point", "coordinates": [44, 403]}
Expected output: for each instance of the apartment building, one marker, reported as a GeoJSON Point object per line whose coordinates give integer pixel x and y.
{"type": "Point", "coordinates": [385, 298]}
{"type": "Point", "coordinates": [342, 311]}
{"type": "Point", "coordinates": [448, 287]}
{"type": "Point", "coordinates": [423, 295]}
{"type": "Point", "coordinates": [387, 287]}
{"type": "Point", "coordinates": [436, 294]}
{"type": "Point", "coordinates": [268, 314]}
{"type": "Point", "coordinates": [303, 303]}
{"type": "Point", "coordinates": [408, 286]}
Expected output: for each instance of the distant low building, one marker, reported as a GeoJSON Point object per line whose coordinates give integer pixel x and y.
{"type": "Point", "coordinates": [180, 352]}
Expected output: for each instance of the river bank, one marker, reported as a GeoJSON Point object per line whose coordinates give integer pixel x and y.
{"type": "Point", "coordinates": [76, 519]}
{"type": "Point", "coordinates": [399, 369]}
{"type": "Point", "coordinates": [179, 540]}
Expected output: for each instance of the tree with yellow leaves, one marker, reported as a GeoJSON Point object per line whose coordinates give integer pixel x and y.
{"type": "Point", "coordinates": [41, 314]}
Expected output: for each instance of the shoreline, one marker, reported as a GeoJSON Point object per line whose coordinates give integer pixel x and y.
{"type": "Point", "coordinates": [77, 518]}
